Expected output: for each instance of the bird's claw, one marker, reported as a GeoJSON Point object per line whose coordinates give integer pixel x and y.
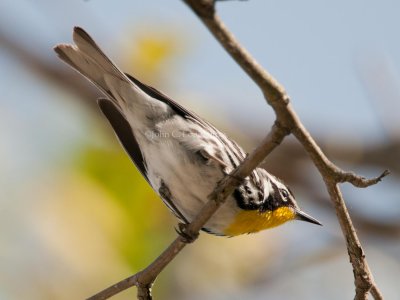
{"type": "Point", "coordinates": [186, 236]}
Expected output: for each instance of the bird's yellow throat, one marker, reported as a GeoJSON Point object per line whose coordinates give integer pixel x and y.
{"type": "Point", "coordinates": [249, 221]}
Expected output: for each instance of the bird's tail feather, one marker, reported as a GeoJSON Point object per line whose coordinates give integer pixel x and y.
{"type": "Point", "coordinates": [89, 60]}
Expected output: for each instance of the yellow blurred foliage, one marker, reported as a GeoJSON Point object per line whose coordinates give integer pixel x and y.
{"type": "Point", "coordinates": [99, 221]}
{"type": "Point", "coordinates": [150, 53]}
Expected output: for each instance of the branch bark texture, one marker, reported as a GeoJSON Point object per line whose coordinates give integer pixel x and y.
{"type": "Point", "coordinates": [287, 122]}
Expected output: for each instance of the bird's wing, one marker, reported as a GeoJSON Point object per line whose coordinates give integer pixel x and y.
{"type": "Point", "coordinates": [156, 94]}
{"type": "Point", "coordinates": [127, 138]}
{"type": "Point", "coordinates": [124, 133]}
{"type": "Point", "coordinates": [235, 151]}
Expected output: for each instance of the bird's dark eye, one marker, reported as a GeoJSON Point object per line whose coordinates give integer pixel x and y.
{"type": "Point", "coordinates": [285, 194]}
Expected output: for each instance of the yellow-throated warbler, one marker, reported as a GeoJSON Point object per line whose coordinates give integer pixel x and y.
{"type": "Point", "coordinates": [181, 155]}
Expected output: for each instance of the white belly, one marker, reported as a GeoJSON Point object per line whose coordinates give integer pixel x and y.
{"type": "Point", "coordinates": [188, 179]}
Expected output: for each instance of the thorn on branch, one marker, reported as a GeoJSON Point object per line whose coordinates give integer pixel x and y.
{"type": "Point", "coordinates": [360, 181]}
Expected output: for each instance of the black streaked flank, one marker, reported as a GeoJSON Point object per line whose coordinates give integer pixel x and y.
{"type": "Point", "coordinates": [166, 195]}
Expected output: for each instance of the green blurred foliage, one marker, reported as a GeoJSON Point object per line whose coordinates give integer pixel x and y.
{"type": "Point", "coordinates": [148, 227]}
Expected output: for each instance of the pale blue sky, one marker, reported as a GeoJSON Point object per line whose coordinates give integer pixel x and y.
{"type": "Point", "coordinates": [339, 61]}
{"type": "Point", "coordinates": [321, 51]}
{"type": "Point", "coordinates": [314, 48]}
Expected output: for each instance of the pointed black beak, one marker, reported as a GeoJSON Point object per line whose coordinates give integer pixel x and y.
{"type": "Point", "coordinates": [302, 216]}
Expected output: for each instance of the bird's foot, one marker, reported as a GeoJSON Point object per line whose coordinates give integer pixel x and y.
{"type": "Point", "coordinates": [186, 236]}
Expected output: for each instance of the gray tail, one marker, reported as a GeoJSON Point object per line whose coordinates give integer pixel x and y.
{"type": "Point", "coordinates": [89, 60]}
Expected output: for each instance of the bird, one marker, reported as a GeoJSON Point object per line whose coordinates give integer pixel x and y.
{"type": "Point", "coordinates": [181, 155]}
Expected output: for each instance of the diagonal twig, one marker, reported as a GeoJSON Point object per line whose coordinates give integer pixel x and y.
{"type": "Point", "coordinates": [145, 278]}
{"type": "Point", "coordinates": [287, 122]}
{"type": "Point", "coordinates": [285, 114]}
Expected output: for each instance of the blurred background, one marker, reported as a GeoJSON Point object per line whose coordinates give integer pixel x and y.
{"type": "Point", "coordinates": [76, 216]}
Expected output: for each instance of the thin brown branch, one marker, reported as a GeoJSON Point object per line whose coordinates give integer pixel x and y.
{"type": "Point", "coordinates": [360, 181]}
{"type": "Point", "coordinates": [362, 277]}
{"type": "Point", "coordinates": [278, 99]}
{"type": "Point", "coordinates": [273, 90]}
{"type": "Point", "coordinates": [146, 277]}
{"type": "Point", "coordinates": [376, 293]}
{"type": "Point", "coordinates": [287, 122]}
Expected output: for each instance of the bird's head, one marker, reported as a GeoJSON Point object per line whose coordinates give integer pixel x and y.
{"type": "Point", "coordinates": [265, 202]}
{"type": "Point", "coordinates": [281, 198]}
